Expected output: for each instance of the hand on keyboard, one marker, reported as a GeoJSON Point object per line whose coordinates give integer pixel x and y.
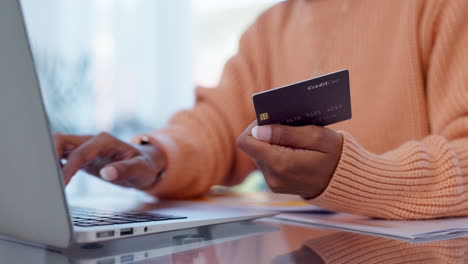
{"type": "Point", "coordinates": [111, 159]}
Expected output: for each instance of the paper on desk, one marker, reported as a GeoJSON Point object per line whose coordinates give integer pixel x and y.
{"type": "Point", "coordinates": [260, 201]}
{"type": "Point", "coordinates": [412, 231]}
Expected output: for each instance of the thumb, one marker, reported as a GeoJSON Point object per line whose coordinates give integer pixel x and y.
{"type": "Point", "coordinates": [305, 137]}
{"type": "Point", "coordinates": [136, 172]}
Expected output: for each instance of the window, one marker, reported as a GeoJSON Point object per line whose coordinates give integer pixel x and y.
{"type": "Point", "coordinates": [125, 66]}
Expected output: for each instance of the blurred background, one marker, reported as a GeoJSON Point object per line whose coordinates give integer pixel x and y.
{"type": "Point", "coordinates": [125, 66]}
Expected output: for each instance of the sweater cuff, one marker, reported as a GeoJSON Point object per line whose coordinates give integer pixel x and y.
{"type": "Point", "coordinates": [353, 188]}
{"type": "Point", "coordinates": [394, 185]}
{"type": "Point", "coordinates": [340, 189]}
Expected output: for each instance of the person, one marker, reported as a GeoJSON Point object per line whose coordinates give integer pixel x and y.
{"type": "Point", "coordinates": [403, 155]}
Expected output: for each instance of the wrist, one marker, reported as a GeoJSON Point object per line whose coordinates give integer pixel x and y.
{"type": "Point", "coordinates": [154, 153]}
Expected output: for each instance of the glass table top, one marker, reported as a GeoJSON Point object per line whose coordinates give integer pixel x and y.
{"type": "Point", "coordinates": [265, 240]}
{"type": "Point", "coordinates": [260, 241]}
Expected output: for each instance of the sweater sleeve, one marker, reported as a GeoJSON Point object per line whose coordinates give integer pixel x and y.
{"type": "Point", "coordinates": [200, 144]}
{"type": "Point", "coordinates": [420, 179]}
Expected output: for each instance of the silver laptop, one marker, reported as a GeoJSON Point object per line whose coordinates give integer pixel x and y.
{"type": "Point", "coordinates": [33, 205]}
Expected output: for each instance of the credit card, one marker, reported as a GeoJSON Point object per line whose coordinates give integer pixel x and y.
{"type": "Point", "coordinates": [319, 101]}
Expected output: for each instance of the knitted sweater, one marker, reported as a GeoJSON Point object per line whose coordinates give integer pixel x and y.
{"type": "Point", "coordinates": [405, 151]}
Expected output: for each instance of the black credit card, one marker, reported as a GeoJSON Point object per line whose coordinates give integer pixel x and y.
{"type": "Point", "coordinates": [319, 101]}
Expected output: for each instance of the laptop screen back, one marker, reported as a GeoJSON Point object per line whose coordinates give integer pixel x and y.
{"type": "Point", "coordinates": [32, 201]}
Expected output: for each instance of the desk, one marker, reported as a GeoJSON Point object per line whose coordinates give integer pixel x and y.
{"type": "Point", "coordinates": [261, 241]}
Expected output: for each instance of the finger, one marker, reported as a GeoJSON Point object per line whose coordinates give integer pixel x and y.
{"type": "Point", "coordinates": [305, 137]}
{"type": "Point", "coordinates": [85, 153]}
{"type": "Point", "coordinates": [256, 149]}
{"type": "Point", "coordinates": [93, 167]}
{"type": "Point", "coordinates": [65, 143]}
{"type": "Point", "coordinates": [268, 155]}
{"type": "Point", "coordinates": [136, 172]}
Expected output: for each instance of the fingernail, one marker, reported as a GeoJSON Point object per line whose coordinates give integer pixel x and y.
{"type": "Point", "coordinates": [108, 173]}
{"type": "Point", "coordinates": [262, 133]}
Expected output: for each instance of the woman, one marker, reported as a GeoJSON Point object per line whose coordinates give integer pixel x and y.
{"type": "Point", "coordinates": [404, 155]}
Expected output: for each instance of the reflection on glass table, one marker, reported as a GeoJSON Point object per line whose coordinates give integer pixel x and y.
{"type": "Point", "coordinates": [343, 247]}
{"type": "Point", "coordinates": [160, 248]}
{"type": "Point", "coordinates": [262, 241]}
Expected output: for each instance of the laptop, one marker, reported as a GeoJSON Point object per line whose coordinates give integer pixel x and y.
{"type": "Point", "coordinates": [33, 205]}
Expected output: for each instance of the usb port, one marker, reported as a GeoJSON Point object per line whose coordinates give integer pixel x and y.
{"type": "Point", "coordinates": [126, 231]}
{"type": "Point", "coordinates": [126, 258]}
{"type": "Point", "coordinates": [105, 234]}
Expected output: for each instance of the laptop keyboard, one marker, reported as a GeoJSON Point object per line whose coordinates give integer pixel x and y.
{"type": "Point", "coordinates": [85, 217]}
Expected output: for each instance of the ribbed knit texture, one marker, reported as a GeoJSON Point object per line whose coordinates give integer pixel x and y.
{"type": "Point", "coordinates": [352, 248]}
{"type": "Point", "coordinates": [405, 153]}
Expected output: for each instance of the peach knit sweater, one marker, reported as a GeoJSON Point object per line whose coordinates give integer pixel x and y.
{"type": "Point", "coordinates": [405, 152]}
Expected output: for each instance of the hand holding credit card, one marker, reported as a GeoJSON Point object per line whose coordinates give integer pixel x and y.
{"type": "Point", "coordinates": [302, 109]}
{"type": "Point", "coordinates": [319, 101]}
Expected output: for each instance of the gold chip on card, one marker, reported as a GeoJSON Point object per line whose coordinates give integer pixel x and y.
{"type": "Point", "coordinates": [264, 116]}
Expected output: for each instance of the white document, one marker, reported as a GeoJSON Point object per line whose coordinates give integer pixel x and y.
{"type": "Point", "coordinates": [412, 231]}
